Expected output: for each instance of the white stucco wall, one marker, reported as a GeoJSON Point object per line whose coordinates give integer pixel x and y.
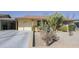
{"type": "Point", "coordinates": [25, 28]}
{"type": "Point", "coordinates": [24, 25]}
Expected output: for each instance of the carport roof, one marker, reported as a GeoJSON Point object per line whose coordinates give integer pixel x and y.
{"type": "Point", "coordinates": [10, 19]}
{"type": "Point", "coordinates": [5, 16]}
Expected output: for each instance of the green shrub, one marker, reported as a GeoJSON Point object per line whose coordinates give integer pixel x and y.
{"type": "Point", "coordinates": [63, 28]}
{"type": "Point", "coordinates": [71, 27]}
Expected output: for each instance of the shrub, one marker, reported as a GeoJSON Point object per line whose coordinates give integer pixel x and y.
{"type": "Point", "coordinates": [63, 28]}
{"type": "Point", "coordinates": [71, 27]}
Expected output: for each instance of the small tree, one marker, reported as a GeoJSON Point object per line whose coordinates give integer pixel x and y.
{"type": "Point", "coordinates": [55, 21]}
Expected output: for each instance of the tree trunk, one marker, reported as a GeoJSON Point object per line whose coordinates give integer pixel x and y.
{"type": "Point", "coordinates": [49, 37]}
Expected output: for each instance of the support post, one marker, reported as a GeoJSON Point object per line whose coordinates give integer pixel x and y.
{"type": "Point", "coordinates": [33, 38]}
{"type": "Point", "coordinates": [33, 29]}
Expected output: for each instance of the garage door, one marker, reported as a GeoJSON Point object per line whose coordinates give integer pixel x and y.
{"type": "Point", "coordinates": [25, 26]}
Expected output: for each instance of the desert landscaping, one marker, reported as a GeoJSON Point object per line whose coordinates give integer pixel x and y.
{"type": "Point", "coordinates": [65, 41]}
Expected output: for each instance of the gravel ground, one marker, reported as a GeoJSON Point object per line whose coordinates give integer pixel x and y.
{"type": "Point", "coordinates": [65, 41]}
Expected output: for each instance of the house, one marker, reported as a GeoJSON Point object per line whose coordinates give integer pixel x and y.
{"type": "Point", "coordinates": [19, 23]}
{"type": "Point", "coordinates": [28, 22]}
{"type": "Point", "coordinates": [74, 23]}
{"type": "Point", "coordinates": [7, 23]}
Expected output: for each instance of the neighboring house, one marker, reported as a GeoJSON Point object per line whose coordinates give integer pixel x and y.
{"type": "Point", "coordinates": [7, 23]}
{"type": "Point", "coordinates": [5, 16]}
{"type": "Point", "coordinates": [74, 23]}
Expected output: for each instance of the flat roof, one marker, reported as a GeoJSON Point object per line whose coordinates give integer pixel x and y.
{"type": "Point", "coordinates": [10, 19]}
{"type": "Point", "coordinates": [5, 16]}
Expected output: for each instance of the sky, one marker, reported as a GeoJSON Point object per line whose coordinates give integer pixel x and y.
{"type": "Point", "coordinates": [69, 14]}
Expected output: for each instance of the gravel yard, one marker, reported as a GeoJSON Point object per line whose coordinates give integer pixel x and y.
{"type": "Point", "coordinates": [65, 41]}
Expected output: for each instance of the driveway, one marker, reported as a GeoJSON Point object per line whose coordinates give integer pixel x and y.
{"type": "Point", "coordinates": [15, 39]}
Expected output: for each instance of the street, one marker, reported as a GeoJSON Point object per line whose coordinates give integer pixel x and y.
{"type": "Point", "coordinates": [15, 39]}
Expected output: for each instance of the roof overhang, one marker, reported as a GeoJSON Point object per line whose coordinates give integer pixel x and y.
{"type": "Point", "coordinates": [9, 19]}
{"type": "Point", "coordinates": [32, 17]}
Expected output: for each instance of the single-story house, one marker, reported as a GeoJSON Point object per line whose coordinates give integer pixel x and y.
{"type": "Point", "coordinates": [28, 22]}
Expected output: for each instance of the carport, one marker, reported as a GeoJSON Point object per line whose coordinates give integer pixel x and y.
{"type": "Point", "coordinates": [7, 24]}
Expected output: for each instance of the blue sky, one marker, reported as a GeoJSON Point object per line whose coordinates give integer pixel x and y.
{"type": "Point", "coordinates": [70, 14]}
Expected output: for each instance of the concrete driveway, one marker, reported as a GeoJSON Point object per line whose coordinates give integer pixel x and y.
{"type": "Point", "coordinates": [15, 39]}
